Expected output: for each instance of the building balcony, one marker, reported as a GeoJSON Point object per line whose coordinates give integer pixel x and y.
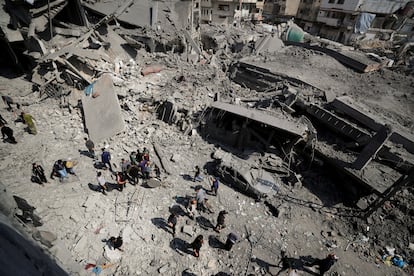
{"type": "Point", "coordinates": [334, 22]}
{"type": "Point", "coordinates": [206, 17]}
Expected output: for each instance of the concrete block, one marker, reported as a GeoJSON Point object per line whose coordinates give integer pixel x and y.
{"type": "Point", "coordinates": [103, 117]}
{"type": "Point", "coordinates": [111, 254]}
{"type": "Point", "coordinates": [188, 229]}
{"type": "Point", "coordinates": [371, 149]}
{"type": "Point", "coordinates": [45, 237]}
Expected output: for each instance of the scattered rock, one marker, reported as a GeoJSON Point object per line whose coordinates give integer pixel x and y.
{"type": "Point", "coordinates": [45, 237]}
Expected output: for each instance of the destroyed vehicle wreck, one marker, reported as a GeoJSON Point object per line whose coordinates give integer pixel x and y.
{"type": "Point", "coordinates": [255, 182]}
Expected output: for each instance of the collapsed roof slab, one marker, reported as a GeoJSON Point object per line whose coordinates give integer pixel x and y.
{"type": "Point", "coordinates": [103, 117]}
{"type": "Point", "coordinates": [284, 124]}
{"type": "Point", "coordinates": [355, 60]}
{"type": "Point", "coordinates": [349, 107]}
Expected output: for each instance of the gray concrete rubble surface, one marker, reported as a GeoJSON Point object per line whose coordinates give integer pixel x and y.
{"type": "Point", "coordinates": [103, 117]}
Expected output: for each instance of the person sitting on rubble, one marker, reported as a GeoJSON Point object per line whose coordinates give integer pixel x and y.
{"type": "Point", "coordinates": [121, 181]}
{"type": "Point", "coordinates": [221, 221]}
{"type": "Point", "coordinates": [101, 182]}
{"type": "Point", "coordinates": [191, 208]}
{"type": "Point", "coordinates": [7, 134]}
{"type": "Point", "coordinates": [324, 264]}
{"type": "Point", "coordinates": [197, 244]}
{"type": "Point", "coordinates": [59, 170]}
{"type": "Point", "coordinates": [69, 164]}
{"type": "Point", "coordinates": [197, 175]}
{"type": "Point", "coordinates": [38, 174]}
{"type": "Point", "coordinates": [116, 243]}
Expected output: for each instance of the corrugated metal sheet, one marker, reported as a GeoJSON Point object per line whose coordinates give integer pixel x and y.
{"type": "Point", "coordinates": [382, 6]}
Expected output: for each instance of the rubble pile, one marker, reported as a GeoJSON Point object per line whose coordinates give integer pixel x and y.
{"type": "Point", "coordinates": [312, 145]}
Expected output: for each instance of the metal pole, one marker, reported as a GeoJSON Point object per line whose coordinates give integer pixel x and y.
{"type": "Point", "coordinates": [50, 19]}
{"type": "Point", "coordinates": [240, 8]}
{"type": "Point", "coordinates": [192, 16]}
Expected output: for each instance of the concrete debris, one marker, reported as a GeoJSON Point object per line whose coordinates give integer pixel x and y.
{"type": "Point", "coordinates": [264, 125]}
{"type": "Point", "coordinates": [45, 237]}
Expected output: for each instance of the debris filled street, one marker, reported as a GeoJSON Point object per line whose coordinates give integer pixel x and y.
{"type": "Point", "coordinates": [148, 143]}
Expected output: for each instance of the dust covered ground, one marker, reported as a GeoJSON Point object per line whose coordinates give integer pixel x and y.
{"type": "Point", "coordinates": [314, 219]}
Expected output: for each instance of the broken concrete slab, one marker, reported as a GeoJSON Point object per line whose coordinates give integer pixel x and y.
{"type": "Point", "coordinates": [103, 116]}
{"type": "Point", "coordinates": [45, 237]}
{"type": "Point", "coordinates": [270, 43]}
{"type": "Point", "coordinates": [253, 114]}
{"type": "Point", "coordinates": [112, 255]}
{"type": "Point", "coordinates": [349, 107]}
{"type": "Point", "coordinates": [355, 60]}
{"type": "Point", "coordinates": [372, 148]}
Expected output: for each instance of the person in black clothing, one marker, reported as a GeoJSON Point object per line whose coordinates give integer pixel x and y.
{"type": "Point", "coordinates": [2, 120]}
{"type": "Point", "coordinates": [220, 221]}
{"type": "Point", "coordinates": [6, 131]}
{"type": "Point", "coordinates": [325, 264]}
{"type": "Point", "coordinates": [231, 240]}
{"type": "Point", "coordinates": [116, 243]}
{"type": "Point", "coordinates": [196, 245]}
{"type": "Point", "coordinates": [38, 174]}
{"type": "Point", "coordinates": [172, 222]}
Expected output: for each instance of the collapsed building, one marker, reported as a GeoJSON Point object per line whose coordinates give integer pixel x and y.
{"type": "Point", "coordinates": [127, 65]}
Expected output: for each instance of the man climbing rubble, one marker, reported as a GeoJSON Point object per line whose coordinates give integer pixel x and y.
{"type": "Point", "coordinates": [59, 170]}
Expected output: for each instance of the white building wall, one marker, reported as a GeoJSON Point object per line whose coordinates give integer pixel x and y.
{"type": "Point", "coordinates": [346, 5]}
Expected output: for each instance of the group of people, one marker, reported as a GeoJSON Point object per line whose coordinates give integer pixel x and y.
{"type": "Point", "coordinates": [138, 166]}
{"type": "Point", "coordinates": [201, 204]}
{"type": "Point", "coordinates": [6, 131]}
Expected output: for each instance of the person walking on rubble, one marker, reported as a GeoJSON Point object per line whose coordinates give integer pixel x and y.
{"type": "Point", "coordinates": [221, 221]}
{"type": "Point", "coordinates": [191, 208]}
{"type": "Point", "coordinates": [172, 222]}
{"type": "Point", "coordinates": [38, 174]}
{"type": "Point", "coordinates": [200, 196]}
{"type": "Point", "coordinates": [7, 134]}
{"type": "Point", "coordinates": [2, 120]}
{"type": "Point", "coordinates": [197, 244]}
{"type": "Point", "coordinates": [232, 238]}
{"type": "Point", "coordinates": [106, 158]}
{"type": "Point", "coordinates": [214, 185]}
{"type": "Point", "coordinates": [28, 120]}
{"type": "Point", "coordinates": [324, 264]}
{"type": "Point", "coordinates": [121, 181]}
{"type": "Point", "coordinates": [101, 182]}
{"type": "Point", "coordinates": [91, 147]}
{"type": "Point", "coordinates": [9, 101]}
{"type": "Point", "coordinates": [197, 175]}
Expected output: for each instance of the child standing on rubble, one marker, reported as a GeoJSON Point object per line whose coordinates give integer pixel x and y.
{"type": "Point", "coordinates": [172, 222]}
{"type": "Point", "coordinates": [106, 158]}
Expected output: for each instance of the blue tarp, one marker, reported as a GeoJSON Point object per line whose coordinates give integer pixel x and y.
{"type": "Point", "coordinates": [363, 22]}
